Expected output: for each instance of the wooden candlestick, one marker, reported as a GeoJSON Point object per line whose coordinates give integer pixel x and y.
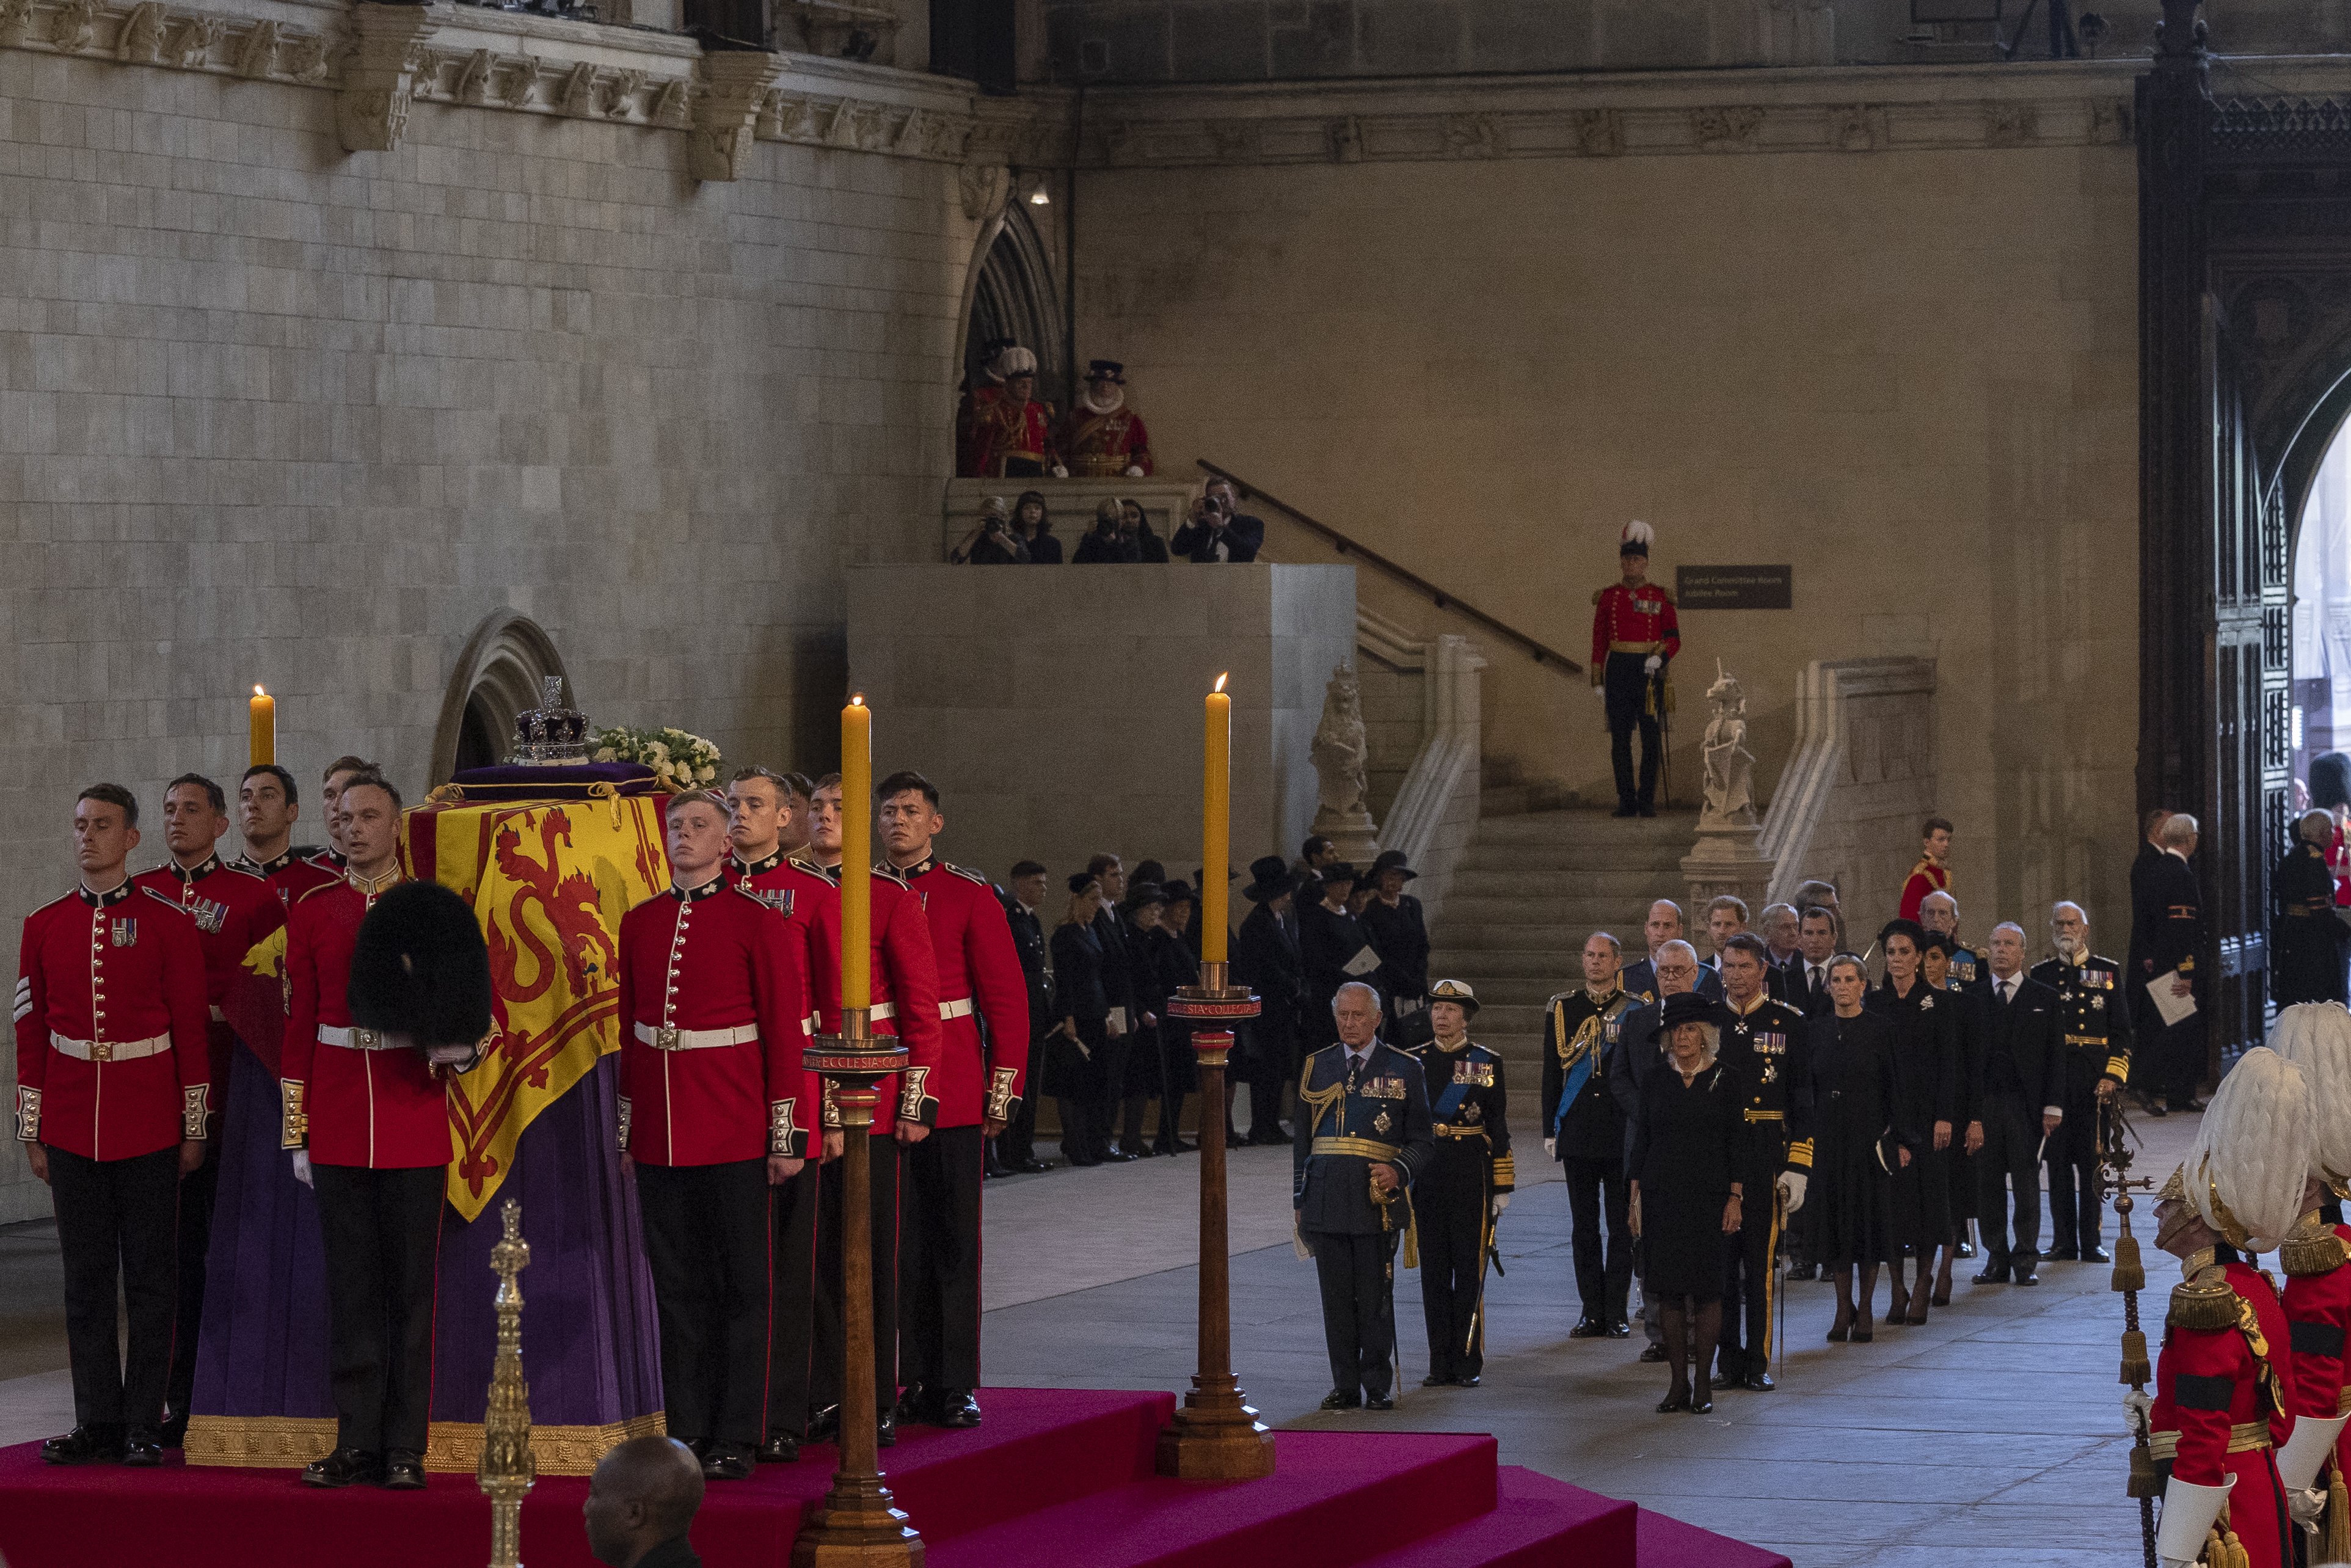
{"type": "Point", "coordinates": [1215, 1436]}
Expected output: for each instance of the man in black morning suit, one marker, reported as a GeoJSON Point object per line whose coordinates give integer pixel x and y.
{"type": "Point", "coordinates": [1363, 1128]}
{"type": "Point", "coordinates": [2015, 1099]}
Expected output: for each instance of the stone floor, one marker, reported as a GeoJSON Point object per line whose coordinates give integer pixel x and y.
{"type": "Point", "coordinates": [1991, 1435]}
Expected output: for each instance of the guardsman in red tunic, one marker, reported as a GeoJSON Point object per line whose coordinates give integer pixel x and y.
{"type": "Point", "coordinates": [368, 1120]}
{"type": "Point", "coordinates": [1930, 874]}
{"type": "Point", "coordinates": [1101, 436]}
{"type": "Point", "coordinates": [267, 810]}
{"type": "Point", "coordinates": [113, 1103]}
{"type": "Point", "coordinates": [1003, 431]}
{"type": "Point", "coordinates": [2225, 1381]}
{"type": "Point", "coordinates": [977, 1085]}
{"type": "Point", "coordinates": [332, 783]}
{"type": "Point", "coordinates": [1634, 637]}
{"type": "Point", "coordinates": [2317, 1258]}
{"type": "Point", "coordinates": [905, 994]}
{"type": "Point", "coordinates": [232, 910]}
{"type": "Point", "coordinates": [715, 1111]}
{"type": "Point", "coordinates": [766, 813]}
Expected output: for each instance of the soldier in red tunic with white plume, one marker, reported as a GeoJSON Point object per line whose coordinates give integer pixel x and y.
{"type": "Point", "coordinates": [2225, 1382]}
{"type": "Point", "coordinates": [1002, 431]}
{"type": "Point", "coordinates": [1634, 637]}
{"type": "Point", "coordinates": [2316, 1258]}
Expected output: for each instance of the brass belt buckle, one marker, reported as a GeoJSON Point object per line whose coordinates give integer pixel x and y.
{"type": "Point", "coordinates": [100, 1051]}
{"type": "Point", "coordinates": [365, 1039]}
{"type": "Point", "coordinates": [667, 1039]}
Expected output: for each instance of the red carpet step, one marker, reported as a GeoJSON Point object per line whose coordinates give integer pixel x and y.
{"type": "Point", "coordinates": [1055, 1477]}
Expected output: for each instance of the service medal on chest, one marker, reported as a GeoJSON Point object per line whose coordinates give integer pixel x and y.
{"type": "Point", "coordinates": [126, 931]}
{"type": "Point", "coordinates": [1382, 1123]}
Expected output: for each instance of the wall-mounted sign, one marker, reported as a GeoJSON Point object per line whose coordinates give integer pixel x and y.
{"type": "Point", "coordinates": [1731, 587]}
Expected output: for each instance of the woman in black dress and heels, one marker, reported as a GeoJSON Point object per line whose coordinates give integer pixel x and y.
{"type": "Point", "coordinates": [1077, 1044]}
{"type": "Point", "coordinates": [1927, 1094]}
{"type": "Point", "coordinates": [1690, 1145]}
{"type": "Point", "coordinates": [1971, 1028]}
{"type": "Point", "coordinates": [1850, 1200]}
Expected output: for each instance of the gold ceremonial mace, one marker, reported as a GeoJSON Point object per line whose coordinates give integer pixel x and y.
{"type": "Point", "coordinates": [857, 1523]}
{"type": "Point", "coordinates": [508, 1467]}
{"type": "Point", "coordinates": [1215, 1436]}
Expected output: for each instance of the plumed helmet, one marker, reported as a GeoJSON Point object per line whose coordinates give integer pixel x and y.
{"type": "Point", "coordinates": [1013, 361]}
{"type": "Point", "coordinates": [420, 967]}
{"type": "Point", "coordinates": [2245, 1173]}
{"type": "Point", "coordinates": [2316, 1038]}
{"type": "Point", "coordinates": [2330, 780]}
{"type": "Point", "coordinates": [1636, 538]}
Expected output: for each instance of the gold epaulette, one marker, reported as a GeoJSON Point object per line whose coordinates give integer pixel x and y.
{"type": "Point", "coordinates": [2311, 1248]}
{"type": "Point", "coordinates": [2206, 1302]}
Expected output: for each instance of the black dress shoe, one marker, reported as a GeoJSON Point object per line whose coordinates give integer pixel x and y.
{"type": "Point", "coordinates": [957, 1408]}
{"type": "Point", "coordinates": [404, 1470]}
{"type": "Point", "coordinates": [918, 1404]}
{"type": "Point", "coordinates": [1148, 1151]}
{"type": "Point", "coordinates": [2097, 1255]}
{"type": "Point", "coordinates": [1434, 1381]}
{"type": "Point", "coordinates": [2188, 1107]}
{"type": "Point", "coordinates": [1587, 1328]}
{"type": "Point", "coordinates": [1620, 1329]}
{"type": "Point", "coordinates": [1033, 1167]}
{"type": "Point", "coordinates": [1653, 1353]}
{"type": "Point", "coordinates": [1626, 809]}
{"type": "Point", "coordinates": [1343, 1399]}
{"type": "Point", "coordinates": [1378, 1402]}
{"type": "Point", "coordinates": [1119, 1156]}
{"type": "Point", "coordinates": [728, 1462]}
{"type": "Point", "coordinates": [344, 1467]}
{"type": "Point", "coordinates": [1965, 1249]}
{"type": "Point", "coordinates": [1082, 1161]}
{"type": "Point", "coordinates": [1470, 1381]}
{"type": "Point", "coordinates": [1680, 1400]}
{"type": "Point", "coordinates": [886, 1432]}
{"type": "Point", "coordinates": [173, 1433]}
{"type": "Point", "coordinates": [782, 1449]}
{"type": "Point", "coordinates": [1992, 1274]}
{"type": "Point", "coordinates": [2153, 1107]}
{"type": "Point", "coordinates": [2026, 1277]}
{"type": "Point", "coordinates": [2061, 1255]}
{"type": "Point", "coordinates": [1803, 1271]}
{"type": "Point", "coordinates": [1701, 1404]}
{"type": "Point", "coordinates": [95, 1444]}
{"type": "Point", "coordinates": [142, 1449]}
{"type": "Point", "coordinates": [1760, 1381]}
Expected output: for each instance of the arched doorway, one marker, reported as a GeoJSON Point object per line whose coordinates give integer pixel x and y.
{"type": "Point", "coordinates": [2321, 717]}
{"type": "Point", "coordinates": [2245, 376]}
{"type": "Point", "coordinates": [500, 674]}
{"type": "Point", "coordinates": [1016, 297]}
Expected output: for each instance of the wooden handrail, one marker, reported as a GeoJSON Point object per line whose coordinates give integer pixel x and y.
{"type": "Point", "coordinates": [1544, 653]}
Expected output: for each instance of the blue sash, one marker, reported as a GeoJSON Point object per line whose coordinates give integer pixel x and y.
{"type": "Point", "coordinates": [1583, 1054]}
{"type": "Point", "coordinates": [1449, 1104]}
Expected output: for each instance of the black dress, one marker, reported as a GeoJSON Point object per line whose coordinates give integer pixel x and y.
{"type": "Point", "coordinates": [2305, 939]}
{"type": "Point", "coordinates": [1927, 1088]}
{"type": "Point", "coordinates": [1848, 1202]}
{"type": "Point", "coordinates": [1044, 550]}
{"type": "Point", "coordinates": [1071, 1073]}
{"type": "Point", "coordinates": [1689, 1144]}
{"type": "Point", "coordinates": [1179, 966]}
{"type": "Point", "coordinates": [1266, 960]}
{"type": "Point", "coordinates": [1147, 982]}
{"type": "Point", "coordinates": [1970, 1032]}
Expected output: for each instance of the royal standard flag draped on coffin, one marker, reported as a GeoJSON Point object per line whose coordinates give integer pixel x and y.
{"type": "Point", "coordinates": [549, 881]}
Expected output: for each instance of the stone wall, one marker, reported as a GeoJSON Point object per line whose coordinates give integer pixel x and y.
{"type": "Point", "coordinates": [271, 411]}
{"type": "Point", "coordinates": [1892, 347]}
{"type": "Point", "coordinates": [1059, 712]}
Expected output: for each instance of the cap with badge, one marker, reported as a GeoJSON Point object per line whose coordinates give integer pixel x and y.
{"type": "Point", "coordinates": [1455, 992]}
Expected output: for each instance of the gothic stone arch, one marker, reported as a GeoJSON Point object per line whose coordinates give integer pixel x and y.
{"type": "Point", "coordinates": [499, 676]}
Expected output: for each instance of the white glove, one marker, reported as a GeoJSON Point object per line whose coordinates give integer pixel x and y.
{"type": "Point", "coordinates": [2306, 1506]}
{"type": "Point", "coordinates": [1551, 1148]}
{"type": "Point", "coordinates": [2136, 1404]}
{"type": "Point", "coordinates": [1654, 663]}
{"type": "Point", "coordinates": [1132, 472]}
{"type": "Point", "coordinates": [1792, 1190]}
{"type": "Point", "coordinates": [1600, 692]}
{"type": "Point", "coordinates": [1060, 472]}
{"type": "Point", "coordinates": [2189, 1511]}
{"type": "Point", "coordinates": [302, 1167]}
{"type": "Point", "coordinates": [1502, 1201]}
{"type": "Point", "coordinates": [2306, 1450]}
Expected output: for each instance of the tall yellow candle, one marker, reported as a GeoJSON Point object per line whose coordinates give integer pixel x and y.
{"type": "Point", "coordinates": [1217, 824]}
{"type": "Point", "coordinates": [263, 711]}
{"type": "Point", "coordinates": [857, 853]}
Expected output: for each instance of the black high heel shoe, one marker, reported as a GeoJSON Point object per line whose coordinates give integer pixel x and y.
{"type": "Point", "coordinates": [1678, 1399]}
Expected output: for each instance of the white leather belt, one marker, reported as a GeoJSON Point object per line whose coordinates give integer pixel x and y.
{"type": "Point", "coordinates": [813, 1024]}
{"type": "Point", "coordinates": [886, 1011]}
{"type": "Point", "coordinates": [695, 1039]}
{"type": "Point", "coordinates": [219, 1017]}
{"type": "Point", "coordinates": [362, 1038]}
{"type": "Point", "coordinates": [958, 1008]}
{"type": "Point", "coordinates": [110, 1049]}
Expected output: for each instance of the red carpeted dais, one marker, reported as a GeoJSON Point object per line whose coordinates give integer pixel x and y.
{"type": "Point", "coordinates": [1054, 1478]}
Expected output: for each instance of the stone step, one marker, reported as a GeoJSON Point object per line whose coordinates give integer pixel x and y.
{"type": "Point", "coordinates": [1625, 885]}
{"type": "Point", "coordinates": [1474, 909]}
{"type": "Point", "coordinates": [1508, 964]}
{"type": "Point", "coordinates": [1679, 828]}
{"type": "Point", "coordinates": [1567, 858]}
{"type": "Point", "coordinates": [1562, 936]}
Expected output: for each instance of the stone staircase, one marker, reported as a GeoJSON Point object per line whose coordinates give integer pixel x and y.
{"type": "Point", "coordinates": [1528, 890]}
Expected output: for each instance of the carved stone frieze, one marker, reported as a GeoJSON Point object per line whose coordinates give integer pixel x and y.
{"type": "Point", "coordinates": [1726, 127]}
{"type": "Point", "coordinates": [379, 78]}
{"type": "Point", "coordinates": [726, 113]}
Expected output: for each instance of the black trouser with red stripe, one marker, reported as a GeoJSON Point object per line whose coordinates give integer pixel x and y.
{"type": "Point", "coordinates": [938, 1297]}
{"type": "Point", "coordinates": [831, 1328]}
{"type": "Point", "coordinates": [114, 1221]}
{"type": "Point", "coordinates": [707, 1242]}
{"type": "Point", "coordinates": [791, 1344]}
{"type": "Point", "coordinates": [382, 1235]}
{"type": "Point", "coordinates": [1746, 1282]}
